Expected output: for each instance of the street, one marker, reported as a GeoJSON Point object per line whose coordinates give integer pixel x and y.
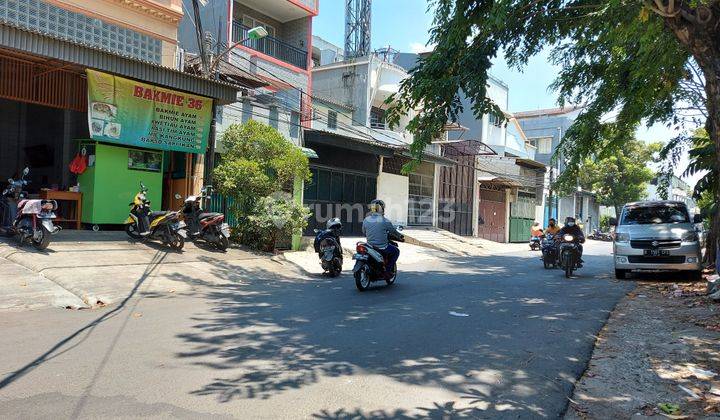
{"type": "Point", "coordinates": [276, 343]}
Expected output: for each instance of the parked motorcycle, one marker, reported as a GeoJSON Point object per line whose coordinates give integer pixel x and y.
{"type": "Point", "coordinates": [549, 251]}
{"type": "Point", "coordinates": [165, 226]}
{"type": "Point", "coordinates": [569, 255]}
{"type": "Point", "coordinates": [208, 226]}
{"type": "Point", "coordinates": [31, 219]}
{"type": "Point", "coordinates": [370, 263]}
{"type": "Point", "coordinates": [535, 243]}
{"type": "Point", "coordinates": [599, 235]}
{"type": "Point", "coordinates": [327, 246]}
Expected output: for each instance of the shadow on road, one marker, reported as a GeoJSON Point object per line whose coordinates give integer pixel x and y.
{"type": "Point", "coordinates": [527, 338]}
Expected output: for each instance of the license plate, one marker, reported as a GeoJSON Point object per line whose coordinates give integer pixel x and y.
{"type": "Point", "coordinates": [656, 252]}
{"type": "Point", "coordinates": [225, 230]}
{"type": "Point", "coordinates": [360, 257]}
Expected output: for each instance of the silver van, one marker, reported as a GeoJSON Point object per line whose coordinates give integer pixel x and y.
{"type": "Point", "coordinates": [657, 236]}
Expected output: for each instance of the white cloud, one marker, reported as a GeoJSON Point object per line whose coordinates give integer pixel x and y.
{"type": "Point", "coordinates": [417, 47]}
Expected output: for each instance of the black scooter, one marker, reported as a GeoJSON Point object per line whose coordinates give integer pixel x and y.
{"type": "Point", "coordinates": [569, 254]}
{"type": "Point", "coordinates": [549, 251]}
{"type": "Point", "coordinates": [327, 246]}
{"type": "Point", "coordinates": [370, 264]}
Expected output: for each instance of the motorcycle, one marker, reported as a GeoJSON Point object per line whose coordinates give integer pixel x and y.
{"type": "Point", "coordinates": [327, 245]}
{"type": "Point", "coordinates": [534, 243]}
{"type": "Point", "coordinates": [549, 251]}
{"type": "Point", "coordinates": [370, 264]}
{"type": "Point", "coordinates": [207, 226]}
{"type": "Point", "coordinates": [569, 255]}
{"type": "Point", "coordinates": [31, 219]}
{"type": "Point", "coordinates": [165, 226]}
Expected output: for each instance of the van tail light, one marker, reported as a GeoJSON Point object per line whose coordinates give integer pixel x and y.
{"type": "Point", "coordinates": [361, 249]}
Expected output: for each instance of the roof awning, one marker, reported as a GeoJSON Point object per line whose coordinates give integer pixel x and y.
{"type": "Point", "coordinates": [530, 163]}
{"type": "Point", "coordinates": [310, 153]}
{"type": "Point", "coordinates": [498, 181]}
{"type": "Point", "coordinates": [46, 45]}
{"type": "Point", "coordinates": [349, 142]}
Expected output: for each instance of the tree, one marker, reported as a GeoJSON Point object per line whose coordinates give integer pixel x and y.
{"type": "Point", "coordinates": [258, 165]}
{"type": "Point", "coordinates": [640, 60]}
{"type": "Point", "coordinates": [617, 178]}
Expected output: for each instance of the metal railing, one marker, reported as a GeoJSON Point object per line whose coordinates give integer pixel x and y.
{"type": "Point", "coordinates": [378, 125]}
{"type": "Point", "coordinates": [271, 46]}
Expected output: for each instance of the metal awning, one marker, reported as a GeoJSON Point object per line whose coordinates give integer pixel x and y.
{"type": "Point", "coordinates": [45, 45]}
{"type": "Point", "coordinates": [348, 142]}
{"type": "Point", "coordinates": [530, 163]}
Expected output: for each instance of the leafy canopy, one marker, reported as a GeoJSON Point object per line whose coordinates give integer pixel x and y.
{"type": "Point", "coordinates": [617, 178]}
{"type": "Point", "coordinates": [615, 56]}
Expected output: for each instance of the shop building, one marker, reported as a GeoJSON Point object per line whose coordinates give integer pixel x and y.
{"type": "Point", "coordinates": [361, 87]}
{"type": "Point", "coordinates": [50, 54]}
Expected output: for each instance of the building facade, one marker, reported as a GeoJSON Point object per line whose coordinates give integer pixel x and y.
{"type": "Point", "coordinates": [545, 129]}
{"type": "Point", "coordinates": [281, 59]}
{"type": "Point", "coordinates": [83, 77]}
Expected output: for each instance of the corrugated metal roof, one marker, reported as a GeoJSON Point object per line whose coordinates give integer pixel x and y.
{"type": "Point", "coordinates": [45, 45]}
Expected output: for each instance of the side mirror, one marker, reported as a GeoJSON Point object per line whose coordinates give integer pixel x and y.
{"type": "Point", "coordinates": [613, 221]}
{"type": "Point", "coordinates": [178, 196]}
{"type": "Point", "coordinates": [400, 228]}
{"type": "Point", "coordinates": [26, 171]}
{"type": "Point", "coordinates": [10, 180]}
{"type": "Point", "coordinates": [316, 231]}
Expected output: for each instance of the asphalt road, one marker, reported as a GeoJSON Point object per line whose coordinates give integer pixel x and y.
{"type": "Point", "coordinates": [283, 345]}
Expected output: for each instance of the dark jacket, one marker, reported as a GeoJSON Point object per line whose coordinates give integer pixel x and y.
{"type": "Point", "coordinates": [574, 231]}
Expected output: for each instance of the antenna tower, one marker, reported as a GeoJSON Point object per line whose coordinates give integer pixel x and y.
{"type": "Point", "coordinates": [357, 28]}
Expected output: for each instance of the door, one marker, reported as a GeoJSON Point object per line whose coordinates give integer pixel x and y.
{"type": "Point", "coordinates": [336, 193]}
{"type": "Point", "coordinates": [491, 215]}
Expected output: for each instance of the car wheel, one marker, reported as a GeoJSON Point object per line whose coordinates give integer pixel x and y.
{"type": "Point", "coordinates": [621, 274]}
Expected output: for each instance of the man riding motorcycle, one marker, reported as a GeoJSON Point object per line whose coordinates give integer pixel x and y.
{"type": "Point", "coordinates": [376, 228]}
{"type": "Point", "coordinates": [571, 228]}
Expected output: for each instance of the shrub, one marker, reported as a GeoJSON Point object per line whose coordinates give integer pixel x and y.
{"type": "Point", "coordinates": [257, 164]}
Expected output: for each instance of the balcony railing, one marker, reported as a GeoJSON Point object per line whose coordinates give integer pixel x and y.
{"type": "Point", "coordinates": [271, 46]}
{"type": "Point", "coordinates": [378, 125]}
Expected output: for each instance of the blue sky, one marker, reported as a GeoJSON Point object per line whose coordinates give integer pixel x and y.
{"type": "Point", "coordinates": [404, 25]}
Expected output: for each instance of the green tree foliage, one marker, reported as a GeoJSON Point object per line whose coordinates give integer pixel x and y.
{"type": "Point", "coordinates": [639, 61]}
{"type": "Point", "coordinates": [617, 178]}
{"type": "Point", "coordinates": [259, 163]}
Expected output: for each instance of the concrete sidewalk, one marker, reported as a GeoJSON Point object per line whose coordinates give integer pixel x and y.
{"type": "Point", "coordinates": [89, 269]}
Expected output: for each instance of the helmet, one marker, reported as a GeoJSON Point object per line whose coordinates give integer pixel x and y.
{"type": "Point", "coordinates": [377, 206]}
{"type": "Point", "coordinates": [570, 221]}
{"type": "Point", "coordinates": [334, 223]}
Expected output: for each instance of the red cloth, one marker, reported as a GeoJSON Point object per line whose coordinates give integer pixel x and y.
{"type": "Point", "coordinates": [79, 164]}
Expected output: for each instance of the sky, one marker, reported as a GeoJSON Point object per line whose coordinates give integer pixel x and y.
{"type": "Point", "coordinates": [404, 25]}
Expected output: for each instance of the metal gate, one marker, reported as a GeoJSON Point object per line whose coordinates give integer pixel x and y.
{"type": "Point", "coordinates": [336, 193]}
{"type": "Point", "coordinates": [522, 216]}
{"type": "Point", "coordinates": [456, 196]}
{"type": "Point", "coordinates": [420, 202]}
{"type": "Point", "coordinates": [491, 215]}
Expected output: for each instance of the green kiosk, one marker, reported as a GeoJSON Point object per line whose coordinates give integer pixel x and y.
{"type": "Point", "coordinates": [131, 125]}
{"type": "Point", "coordinates": [112, 179]}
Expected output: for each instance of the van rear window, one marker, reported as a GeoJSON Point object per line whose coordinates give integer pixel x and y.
{"type": "Point", "coordinates": [649, 215]}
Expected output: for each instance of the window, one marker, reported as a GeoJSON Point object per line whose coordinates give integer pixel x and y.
{"type": "Point", "coordinates": [543, 144]}
{"type": "Point", "coordinates": [274, 117]}
{"type": "Point", "coordinates": [494, 120]}
{"type": "Point", "coordinates": [251, 22]}
{"type": "Point", "coordinates": [377, 118]}
{"type": "Point", "coordinates": [332, 120]}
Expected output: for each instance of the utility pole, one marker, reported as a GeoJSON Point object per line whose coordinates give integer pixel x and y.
{"type": "Point", "coordinates": [199, 34]}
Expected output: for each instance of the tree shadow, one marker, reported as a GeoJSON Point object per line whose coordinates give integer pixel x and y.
{"type": "Point", "coordinates": [526, 340]}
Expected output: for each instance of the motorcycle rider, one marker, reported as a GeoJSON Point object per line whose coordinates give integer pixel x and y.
{"type": "Point", "coordinates": [571, 228]}
{"type": "Point", "coordinates": [535, 230]}
{"type": "Point", "coordinates": [552, 228]}
{"type": "Point", "coordinates": [376, 228]}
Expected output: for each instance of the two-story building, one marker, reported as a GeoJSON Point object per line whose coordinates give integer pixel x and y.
{"type": "Point", "coordinates": [545, 129]}
{"type": "Point", "coordinates": [358, 150]}
{"type": "Point", "coordinates": [281, 59]}
{"type": "Point", "coordinates": [101, 79]}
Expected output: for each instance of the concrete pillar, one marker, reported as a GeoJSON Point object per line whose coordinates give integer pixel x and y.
{"type": "Point", "coordinates": [66, 147]}
{"type": "Point", "coordinates": [476, 201]}
{"type": "Point", "coordinates": [508, 198]}
{"type": "Point", "coordinates": [436, 194]}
